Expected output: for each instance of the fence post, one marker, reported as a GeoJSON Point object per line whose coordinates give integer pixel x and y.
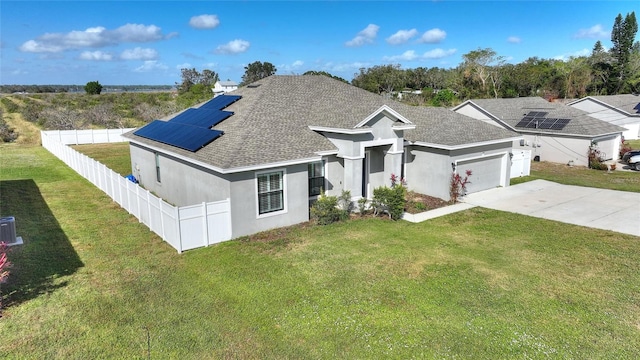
{"type": "Point", "coordinates": [205, 223]}
{"type": "Point", "coordinates": [160, 201]}
{"type": "Point", "coordinates": [179, 229]}
{"type": "Point", "coordinates": [138, 201]}
{"type": "Point", "coordinates": [149, 210]}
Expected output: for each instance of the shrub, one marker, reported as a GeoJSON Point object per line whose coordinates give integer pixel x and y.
{"type": "Point", "coordinates": [624, 147]}
{"type": "Point", "coordinates": [327, 210]}
{"type": "Point", "coordinates": [391, 199]}
{"type": "Point", "coordinates": [9, 105]}
{"type": "Point", "coordinates": [93, 88]}
{"type": "Point", "coordinates": [362, 206]}
{"type": "Point", "coordinates": [7, 133]}
{"type": "Point", "coordinates": [596, 157]}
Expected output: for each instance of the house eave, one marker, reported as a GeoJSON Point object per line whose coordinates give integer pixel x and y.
{"type": "Point", "coordinates": [233, 170]}
{"type": "Point", "coordinates": [324, 129]}
{"type": "Point", "coordinates": [403, 127]}
{"type": "Point", "coordinates": [588, 136]}
{"type": "Point", "coordinates": [465, 146]}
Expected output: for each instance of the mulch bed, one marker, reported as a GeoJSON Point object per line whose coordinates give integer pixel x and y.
{"type": "Point", "coordinates": [417, 203]}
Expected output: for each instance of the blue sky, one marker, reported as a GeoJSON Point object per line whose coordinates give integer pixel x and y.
{"type": "Point", "coordinates": [148, 42]}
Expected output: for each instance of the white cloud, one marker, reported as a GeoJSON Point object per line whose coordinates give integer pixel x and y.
{"type": "Point", "coordinates": [402, 36]}
{"type": "Point", "coordinates": [331, 67]}
{"type": "Point", "coordinates": [184, 66]}
{"type": "Point", "coordinates": [139, 54]}
{"type": "Point", "coordinates": [365, 36]}
{"type": "Point", "coordinates": [411, 55]}
{"type": "Point", "coordinates": [204, 21]}
{"type": "Point", "coordinates": [93, 37]}
{"type": "Point", "coordinates": [233, 47]}
{"type": "Point", "coordinates": [438, 53]}
{"type": "Point", "coordinates": [150, 65]}
{"type": "Point", "coordinates": [408, 55]}
{"type": "Point", "coordinates": [594, 32]}
{"type": "Point", "coordinates": [564, 57]}
{"type": "Point", "coordinates": [433, 36]}
{"type": "Point", "coordinates": [514, 40]}
{"type": "Point", "coordinates": [293, 67]}
{"type": "Point", "coordinates": [95, 56]}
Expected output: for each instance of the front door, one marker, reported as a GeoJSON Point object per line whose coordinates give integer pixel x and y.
{"type": "Point", "coordinates": [365, 174]}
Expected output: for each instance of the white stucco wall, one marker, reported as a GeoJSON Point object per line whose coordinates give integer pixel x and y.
{"type": "Point", "coordinates": [180, 183]}
{"type": "Point", "coordinates": [244, 202]}
{"type": "Point", "coordinates": [564, 149]}
{"type": "Point", "coordinates": [428, 170]}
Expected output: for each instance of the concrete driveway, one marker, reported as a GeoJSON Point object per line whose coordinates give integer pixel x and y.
{"type": "Point", "coordinates": [597, 208]}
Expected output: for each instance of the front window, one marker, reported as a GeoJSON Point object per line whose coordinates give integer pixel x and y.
{"type": "Point", "coordinates": [270, 192]}
{"type": "Point", "coordinates": [316, 178]}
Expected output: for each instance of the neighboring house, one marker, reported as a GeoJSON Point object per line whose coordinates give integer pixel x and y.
{"type": "Point", "coordinates": [553, 131]}
{"type": "Point", "coordinates": [279, 142]}
{"type": "Point", "coordinates": [622, 110]}
{"type": "Point", "coordinates": [221, 87]}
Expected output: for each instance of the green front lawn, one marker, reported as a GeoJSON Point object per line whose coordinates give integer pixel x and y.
{"type": "Point", "coordinates": [91, 282]}
{"type": "Point", "coordinates": [582, 176]}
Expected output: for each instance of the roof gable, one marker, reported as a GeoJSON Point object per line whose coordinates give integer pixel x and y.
{"type": "Point", "coordinates": [386, 111]}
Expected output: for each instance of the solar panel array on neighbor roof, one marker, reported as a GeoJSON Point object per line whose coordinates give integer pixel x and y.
{"type": "Point", "coordinates": [191, 129]}
{"type": "Point", "coordinates": [537, 120]}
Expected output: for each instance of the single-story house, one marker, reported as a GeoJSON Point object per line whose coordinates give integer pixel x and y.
{"type": "Point", "coordinates": [273, 146]}
{"type": "Point", "coordinates": [553, 131]}
{"type": "Point", "coordinates": [221, 87]}
{"type": "Point", "coordinates": [622, 110]}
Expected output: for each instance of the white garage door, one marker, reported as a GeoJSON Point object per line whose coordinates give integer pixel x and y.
{"type": "Point", "coordinates": [486, 173]}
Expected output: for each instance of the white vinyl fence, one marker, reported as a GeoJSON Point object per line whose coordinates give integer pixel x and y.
{"type": "Point", "coordinates": [520, 163]}
{"type": "Point", "coordinates": [184, 228]}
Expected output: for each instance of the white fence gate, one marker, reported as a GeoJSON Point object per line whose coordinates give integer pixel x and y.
{"type": "Point", "coordinates": [184, 228]}
{"type": "Point", "coordinates": [520, 163]}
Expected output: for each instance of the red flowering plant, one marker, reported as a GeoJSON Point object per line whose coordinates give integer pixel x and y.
{"type": "Point", "coordinates": [4, 265]}
{"type": "Point", "coordinates": [458, 185]}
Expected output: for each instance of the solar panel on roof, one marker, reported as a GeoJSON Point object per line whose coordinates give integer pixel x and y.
{"type": "Point", "coordinates": [524, 122]}
{"type": "Point", "coordinates": [205, 118]}
{"type": "Point", "coordinates": [560, 124]}
{"type": "Point", "coordinates": [184, 136]}
{"type": "Point", "coordinates": [537, 114]}
{"type": "Point", "coordinates": [220, 102]}
{"type": "Point", "coordinates": [546, 123]}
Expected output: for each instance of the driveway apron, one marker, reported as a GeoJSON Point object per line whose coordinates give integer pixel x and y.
{"type": "Point", "coordinates": [597, 208]}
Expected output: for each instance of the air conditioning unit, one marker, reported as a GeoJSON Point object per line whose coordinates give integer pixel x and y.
{"type": "Point", "coordinates": [8, 230]}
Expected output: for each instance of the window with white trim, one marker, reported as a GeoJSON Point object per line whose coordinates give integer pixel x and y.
{"type": "Point", "coordinates": [270, 192]}
{"type": "Point", "coordinates": [316, 178]}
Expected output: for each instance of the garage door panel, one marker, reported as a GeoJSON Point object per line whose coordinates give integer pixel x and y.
{"type": "Point", "coordinates": [486, 173]}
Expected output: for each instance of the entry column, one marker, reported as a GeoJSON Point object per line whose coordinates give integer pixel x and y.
{"type": "Point", "coordinates": [353, 176]}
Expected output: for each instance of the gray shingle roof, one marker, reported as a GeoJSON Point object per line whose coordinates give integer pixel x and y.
{"type": "Point", "coordinates": [627, 102]}
{"type": "Point", "coordinates": [511, 111]}
{"type": "Point", "coordinates": [271, 122]}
